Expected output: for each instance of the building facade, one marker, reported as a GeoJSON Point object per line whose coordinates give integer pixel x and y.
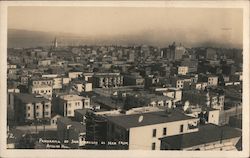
{"type": "Point", "coordinates": [41, 86]}
{"type": "Point", "coordinates": [67, 104]}
{"type": "Point", "coordinates": [105, 80]}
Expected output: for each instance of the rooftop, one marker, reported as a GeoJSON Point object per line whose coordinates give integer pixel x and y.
{"type": "Point", "coordinates": [30, 98]}
{"type": "Point", "coordinates": [77, 126]}
{"type": "Point", "coordinates": [145, 95]}
{"type": "Point", "coordinates": [106, 74]}
{"type": "Point", "coordinates": [71, 97]}
{"type": "Point", "coordinates": [207, 133]}
{"type": "Point", "coordinates": [81, 111]}
{"type": "Point", "coordinates": [42, 79]}
{"type": "Point", "coordinates": [65, 120]}
{"type": "Point", "coordinates": [150, 118]}
{"type": "Point", "coordinates": [200, 92]}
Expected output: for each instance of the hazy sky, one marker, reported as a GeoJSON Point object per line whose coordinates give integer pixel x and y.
{"type": "Point", "coordinates": [157, 25]}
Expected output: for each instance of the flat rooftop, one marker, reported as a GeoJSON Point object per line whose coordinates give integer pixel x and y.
{"type": "Point", "coordinates": [207, 134]}
{"type": "Point", "coordinates": [150, 118]}
{"type": "Point", "coordinates": [71, 97]}
{"type": "Point", "coordinates": [42, 79]}
{"type": "Point", "coordinates": [30, 98]}
{"type": "Point", "coordinates": [81, 111]}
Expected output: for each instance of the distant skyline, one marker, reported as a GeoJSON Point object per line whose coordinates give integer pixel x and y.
{"type": "Point", "coordinates": [222, 27]}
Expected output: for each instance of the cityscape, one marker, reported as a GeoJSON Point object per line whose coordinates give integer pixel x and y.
{"type": "Point", "coordinates": [74, 94]}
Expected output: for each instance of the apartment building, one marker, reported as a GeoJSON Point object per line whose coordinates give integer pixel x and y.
{"type": "Point", "coordinates": [211, 99]}
{"type": "Point", "coordinates": [105, 80]}
{"type": "Point", "coordinates": [179, 81]}
{"type": "Point", "coordinates": [212, 80]}
{"type": "Point", "coordinates": [126, 129]}
{"type": "Point", "coordinates": [143, 98]}
{"type": "Point", "coordinates": [68, 103]}
{"type": "Point", "coordinates": [29, 107]}
{"type": "Point", "coordinates": [41, 86]}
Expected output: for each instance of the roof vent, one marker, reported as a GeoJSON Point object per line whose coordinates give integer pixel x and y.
{"type": "Point", "coordinates": [140, 119]}
{"type": "Point", "coordinates": [168, 112]}
{"type": "Point", "coordinates": [186, 106]}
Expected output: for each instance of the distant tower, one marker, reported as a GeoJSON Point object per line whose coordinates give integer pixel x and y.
{"type": "Point", "coordinates": [53, 47]}
{"type": "Point", "coordinates": [55, 43]}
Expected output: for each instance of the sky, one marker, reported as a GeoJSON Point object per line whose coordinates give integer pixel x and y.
{"type": "Point", "coordinates": [156, 26]}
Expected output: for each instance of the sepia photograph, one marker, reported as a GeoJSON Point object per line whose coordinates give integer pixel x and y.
{"type": "Point", "coordinates": [126, 77]}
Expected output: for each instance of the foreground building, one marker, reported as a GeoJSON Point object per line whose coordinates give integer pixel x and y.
{"type": "Point", "coordinates": [125, 130]}
{"type": "Point", "coordinates": [71, 133]}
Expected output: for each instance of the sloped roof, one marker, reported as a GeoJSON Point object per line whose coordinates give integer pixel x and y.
{"type": "Point", "coordinates": [207, 133]}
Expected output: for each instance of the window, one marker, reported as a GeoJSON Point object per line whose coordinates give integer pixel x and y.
{"type": "Point", "coordinates": [181, 128]}
{"type": "Point", "coordinates": [69, 105]}
{"type": "Point", "coordinates": [69, 112]}
{"type": "Point", "coordinates": [42, 91]}
{"type": "Point", "coordinates": [28, 108]}
{"type": "Point", "coordinates": [28, 114]}
{"type": "Point", "coordinates": [37, 107]}
{"type": "Point", "coordinates": [154, 132]}
{"type": "Point", "coordinates": [76, 103]}
{"type": "Point", "coordinates": [37, 114]}
{"type": "Point", "coordinates": [164, 131]}
{"type": "Point", "coordinates": [153, 146]}
{"type": "Point", "coordinates": [47, 106]}
{"type": "Point", "coordinates": [46, 113]}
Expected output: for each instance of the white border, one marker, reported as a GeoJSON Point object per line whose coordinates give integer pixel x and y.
{"type": "Point", "coordinates": [97, 153]}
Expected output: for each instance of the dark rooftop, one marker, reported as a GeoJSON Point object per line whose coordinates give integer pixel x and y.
{"type": "Point", "coordinates": [30, 98]}
{"type": "Point", "coordinates": [81, 111]}
{"type": "Point", "coordinates": [207, 133]}
{"type": "Point", "coordinates": [78, 127]}
{"type": "Point", "coordinates": [150, 118]}
{"type": "Point", "coordinates": [48, 135]}
{"type": "Point", "coordinates": [65, 120]}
